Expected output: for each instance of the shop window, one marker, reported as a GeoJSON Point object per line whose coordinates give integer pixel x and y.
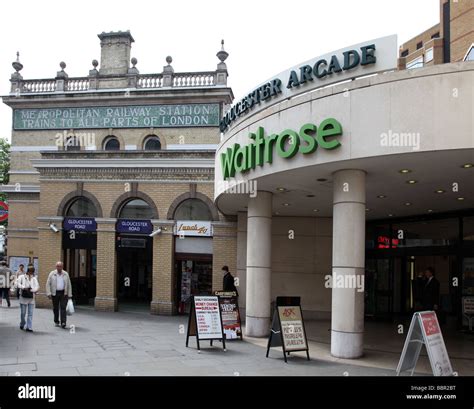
{"type": "Point", "coordinates": [468, 229]}
{"type": "Point", "coordinates": [192, 209]}
{"type": "Point", "coordinates": [416, 63]}
{"type": "Point", "coordinates": [81, 207]}
{"type": "Point", "coordinates": [152, 143]}
{"type": "Point", "coordinates": [136, 209]}
{"type": "Point", "coordinates": [429, 55]}
{"type": "Point", "coordinates": [111, 143]}
{"type": "Point", "coordinates": [470, 54]}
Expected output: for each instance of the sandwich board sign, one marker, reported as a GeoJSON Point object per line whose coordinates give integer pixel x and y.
{"type": "Point", "coordinates": [288, 330]}
{"type": "Point", "coordinates": [230, 312]}
{"type": "Point", "coordinates": [425, 330]}
{"type": "Point", "coordinates": [205, 320]}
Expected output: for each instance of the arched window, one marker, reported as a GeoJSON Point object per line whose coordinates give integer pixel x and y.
{"type": "Point", "coordinates": [73, 143]}
{"type": "Point", "coordinates": [81, 207]}
{"type": "Point", "coordinates": [192, 209]}
{"type": "Point", "coordinates": [111, 143]}
{"type": "Point", "coordinates": [136, 209]}
{"type": "Point", "coordinates": [152, 143]}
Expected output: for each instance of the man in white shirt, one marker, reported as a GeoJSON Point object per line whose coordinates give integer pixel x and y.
{"type": "Point", "coordinates": [59, 289]}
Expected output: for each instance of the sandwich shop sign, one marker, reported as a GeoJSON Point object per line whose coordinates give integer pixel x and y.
{"type": "Point", "coordinates": [362, 59]}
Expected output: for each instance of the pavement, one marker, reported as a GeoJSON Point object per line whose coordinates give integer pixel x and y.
{"type": "Point", "coordinates": [139, 344]}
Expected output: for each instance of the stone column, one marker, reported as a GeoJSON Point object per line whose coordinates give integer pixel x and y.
{"type": "Point", "coordinates": [106, 294]}
{"type": "Point", "coordinates": [242, 260]}
{"type": "Point", "coordinates": [348, 262]}
{"type": "Point", "coordinates": [50, 252]}
{"type": "Point", "coordinates": [164, 285]}
{"type": "Point", "coordinates": [259, 257]}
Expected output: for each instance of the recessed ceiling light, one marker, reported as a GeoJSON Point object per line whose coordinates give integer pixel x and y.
{"type": "Point", "coordinates": [460, 198]}
{"type": "Point", "coordinates": [430, 210]}
{"type": "Point", "coordinates": [390, 215]}
{"type": "Point", "coordinates": [439, 191]}
{"type": "Point", "coordinates": [321, 179]}
{"type": "Point", "coordinates": [412, 182]}
{"type": "Point", "coordinates": [468, 165]}
{"type": "Point", "coordinates": [316, 210]}
{"type": "Point", "coordinates": [310, 195]}
{"type": "Point", "coordinates": [407, 204]}
{"type": "Point", "coordinates": [286, 204]}
{"type": "Point", "coordinates": [405, 171]}
{"type": "Point", "coordinates": [277, 213]}
{"type": "Point", "coordinates": [367, 209]}
{"type": "Point", "coordinates": [381, 196]}
{"type": "Point", "coordinates": [280, 189]}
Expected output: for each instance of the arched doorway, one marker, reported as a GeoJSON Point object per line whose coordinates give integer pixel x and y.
{"type": "Point", "coordinates": [193, 251]}
{"type": "Point", "coordinates": [134, 252]}
{"type": "Point", "coordinates": [80, 248]}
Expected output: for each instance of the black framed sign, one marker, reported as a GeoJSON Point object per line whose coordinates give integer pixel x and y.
{"type": "Point", "coordinates": [231, 322]}
{"type": "Point", "coordinates": [205, 320]}
{"type": "Point", "coordinates": [288, 330]}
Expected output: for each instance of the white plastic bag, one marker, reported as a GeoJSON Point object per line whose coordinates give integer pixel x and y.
{"type": "Point", "coordinates": [69, 307]}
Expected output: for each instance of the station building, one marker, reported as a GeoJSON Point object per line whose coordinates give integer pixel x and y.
{"type": "Point", "coordinates": [349, 176]}
{"type": "Point", "coordinates": [113, 173]}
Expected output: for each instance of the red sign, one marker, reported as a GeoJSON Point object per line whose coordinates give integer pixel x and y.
{"type": "Point", "coordinates": [383, 242]}
{"type": "Point", "coordinates": [430, 323]}
{"type": "Point", "coordinates": [3, 211]}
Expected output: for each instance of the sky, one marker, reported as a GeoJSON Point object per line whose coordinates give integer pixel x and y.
{"type": "Point", "coordinates": [262, 37]}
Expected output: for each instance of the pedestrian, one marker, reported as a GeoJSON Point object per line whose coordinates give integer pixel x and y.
{"type": "Point", "coordinates": [228, 281]}
{"type": "Point", "coordinates": [418, 284]}
{"type": "Point", "coordinates": [6, 279]}
{"type": "Point", "coordinates": [20, 272]}
{"type": "Point", "coordinates": [59, 290]}
{"type": "Point", "coordinates": [430, 296]}
{"type": "Point", "coordinates": [28, 286]}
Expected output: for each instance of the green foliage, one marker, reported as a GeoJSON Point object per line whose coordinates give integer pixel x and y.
{"type": "Point", "coordinates": [4, 165]}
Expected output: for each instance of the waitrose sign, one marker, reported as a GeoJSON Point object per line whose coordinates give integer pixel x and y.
{"type": "Point", "coordinates": [347, 63]}
{"type": "Point", "coordinates": [287, 144]}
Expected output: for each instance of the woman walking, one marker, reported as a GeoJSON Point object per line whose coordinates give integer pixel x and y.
{"type": "Point", "coordinates": [28, 285]}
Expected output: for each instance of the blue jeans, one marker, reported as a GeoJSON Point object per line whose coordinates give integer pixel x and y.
{"type": "Point", "coordinates": [29, 323]}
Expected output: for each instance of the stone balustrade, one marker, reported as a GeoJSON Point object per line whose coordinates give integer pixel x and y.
{"type": "Point", "coordinates": [139, 81]}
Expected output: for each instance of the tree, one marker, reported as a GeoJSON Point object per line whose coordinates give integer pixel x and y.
{"type": "Point", "coordinates": [4, 165]}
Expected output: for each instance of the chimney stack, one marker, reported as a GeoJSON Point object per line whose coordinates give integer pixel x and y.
{"type": "Point", "coordinates": [115, 52]}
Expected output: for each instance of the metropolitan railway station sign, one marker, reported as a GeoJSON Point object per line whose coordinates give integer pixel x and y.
{"type": "Point", "coordinates": [130, 116]}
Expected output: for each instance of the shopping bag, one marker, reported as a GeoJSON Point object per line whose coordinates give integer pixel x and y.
{"type": "Point", "coordinates": [69, 307]}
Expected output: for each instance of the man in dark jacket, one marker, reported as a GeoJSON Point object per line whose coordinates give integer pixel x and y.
{"type": "Point", "coordinates": [229, 283]}
{"type": "Point", "coordinates": [430, 297]}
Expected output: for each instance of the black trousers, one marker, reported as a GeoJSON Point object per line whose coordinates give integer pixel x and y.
{"type": "Point", "coordinates": [59, 307]}
{"type": "Point", "coordinates": [6, 294]}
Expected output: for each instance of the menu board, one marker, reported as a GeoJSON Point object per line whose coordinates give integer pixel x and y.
{"type": "Point", "coordinates": [205, 321]}
{"type": "Point", "coordinates": [287, 329]}
{"type": "Point", "coordinates": [425, 330]}
{"type": "Point", "coordinates": [208, 318]}
{"type": "Point", "coordinates": [230, 314]}
{"type": "Point", "coordinates": [294, 337]}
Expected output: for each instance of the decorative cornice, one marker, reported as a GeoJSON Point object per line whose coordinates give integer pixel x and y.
{"type": "Point", "coordinates": [156, 174]}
